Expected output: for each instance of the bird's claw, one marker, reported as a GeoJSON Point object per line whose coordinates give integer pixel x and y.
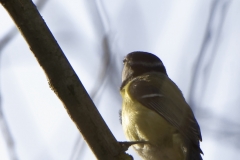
{"type": "Point", "coordinates": [126, 144]}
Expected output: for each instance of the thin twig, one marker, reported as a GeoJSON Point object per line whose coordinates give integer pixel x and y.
{"type": "Point", "coordinates": [202, 52]}
{"type": "Point", "coordinates": [99, 81]}
{"type": "Point", "coordinates": [209, 65]}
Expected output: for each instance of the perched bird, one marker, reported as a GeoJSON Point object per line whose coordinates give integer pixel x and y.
{"type": "Point", "coordinates": [155, 111]}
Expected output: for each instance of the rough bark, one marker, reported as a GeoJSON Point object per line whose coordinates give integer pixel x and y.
{"type": "Point", "coordinates": [63, 80]}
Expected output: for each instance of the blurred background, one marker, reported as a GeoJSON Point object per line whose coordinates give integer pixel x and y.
{"type": "Point", "coordinates": [197, 40]}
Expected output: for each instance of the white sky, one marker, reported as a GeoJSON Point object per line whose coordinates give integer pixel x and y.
{"type": "Point", "coordinates": [173, 30]}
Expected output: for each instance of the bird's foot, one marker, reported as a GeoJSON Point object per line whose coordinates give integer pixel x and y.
{"type": "Point", "coordinates": [125, 145]}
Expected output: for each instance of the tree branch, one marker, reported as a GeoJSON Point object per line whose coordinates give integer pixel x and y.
{"type": "Point", "coordinates": [63, 80]}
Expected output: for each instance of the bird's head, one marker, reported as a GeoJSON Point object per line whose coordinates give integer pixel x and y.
{"type": "Point", "coordinates": [138, 63]}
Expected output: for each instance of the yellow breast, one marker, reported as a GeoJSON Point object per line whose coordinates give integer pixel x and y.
{"type": "Point", "coordinates": [141, 123]}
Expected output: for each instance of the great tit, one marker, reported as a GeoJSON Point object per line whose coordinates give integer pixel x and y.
{"type": "Point", "coordinates": [154, 111]}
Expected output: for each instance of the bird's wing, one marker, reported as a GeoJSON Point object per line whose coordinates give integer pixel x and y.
{"type": "Point", "coordinates": [162, 95]}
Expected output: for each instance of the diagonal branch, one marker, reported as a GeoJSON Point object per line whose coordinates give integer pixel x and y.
{"type": "Point", "coordinates": [63, 80]}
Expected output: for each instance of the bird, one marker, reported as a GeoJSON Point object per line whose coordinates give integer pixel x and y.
{"type": "Point", "coordinates": [155, 113]}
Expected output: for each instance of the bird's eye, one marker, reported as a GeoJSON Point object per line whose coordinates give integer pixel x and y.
{"type": "Point", "coordinates": [124, 61]}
